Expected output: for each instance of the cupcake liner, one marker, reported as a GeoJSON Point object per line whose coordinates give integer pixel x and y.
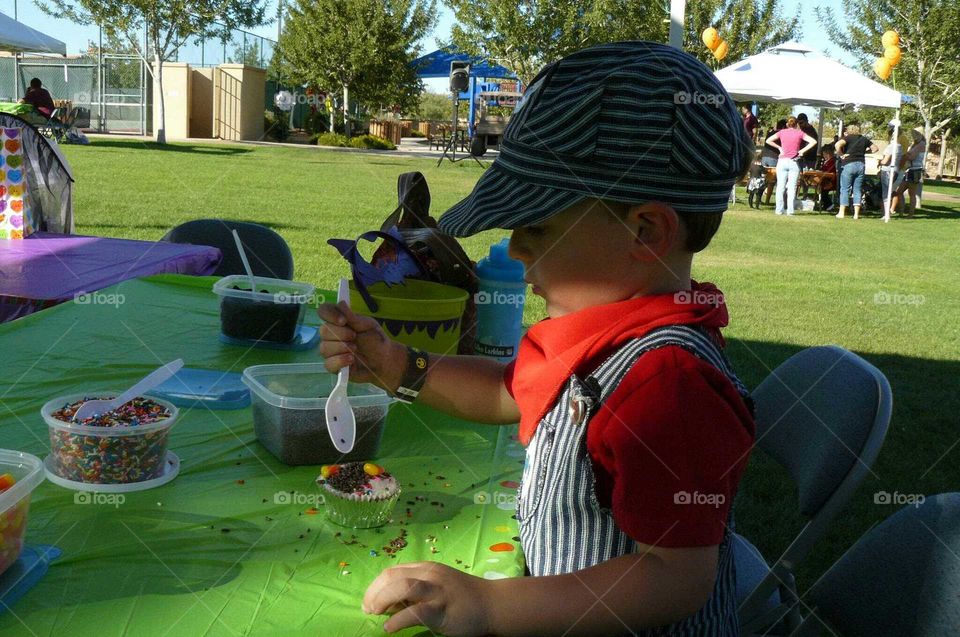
{"type": "Point", "coordinates": [361, 513]}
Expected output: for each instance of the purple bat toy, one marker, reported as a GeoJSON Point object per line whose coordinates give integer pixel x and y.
{"type": "Point", "coordinates": [394, 265]}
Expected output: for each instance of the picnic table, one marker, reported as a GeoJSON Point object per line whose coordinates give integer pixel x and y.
{"type": "Point", "coordinates": [236, 544]}
{"type": "Point", "coordinates": [48, 268]}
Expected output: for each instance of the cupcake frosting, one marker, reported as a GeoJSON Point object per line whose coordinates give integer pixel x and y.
{"type": "Point", "coordinates": [358, 481]}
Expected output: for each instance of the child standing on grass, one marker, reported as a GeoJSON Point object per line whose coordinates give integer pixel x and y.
{"type": "Point", "coordinates": [615, 169]}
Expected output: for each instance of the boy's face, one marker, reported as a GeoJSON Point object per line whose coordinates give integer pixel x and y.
{"type": "Point", "coordinates": [579, 258]}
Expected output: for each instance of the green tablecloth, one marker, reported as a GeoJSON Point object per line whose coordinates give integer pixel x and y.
{"type": "Point", "coordinates": [15, 108]}
{"type": "Point", "coordinates": [213, 553]}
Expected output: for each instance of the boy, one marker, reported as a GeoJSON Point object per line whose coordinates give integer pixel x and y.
{"type": "Point", "coordinates": [613, 171]}
{"type": "Point", "coordinates": [758, 181]}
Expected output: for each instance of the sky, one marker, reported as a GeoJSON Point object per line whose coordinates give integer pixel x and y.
{"type": "Point", "coordinates": [76, 37]}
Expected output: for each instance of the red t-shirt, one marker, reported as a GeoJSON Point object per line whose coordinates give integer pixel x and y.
{"type": "Point", "coordinates": [674, 431]}
{"type": "Point", "coordinates": [668, 450]}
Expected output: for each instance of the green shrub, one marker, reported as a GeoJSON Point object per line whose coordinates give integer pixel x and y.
{"type": "Point", "coordinates": [331, 139]}
{"type": "Point", "coordinates": [371, 142]}
{"type": "Point", "coordinates": [276, 125]}
{"type": "Point", "coordinates": [415, 132]}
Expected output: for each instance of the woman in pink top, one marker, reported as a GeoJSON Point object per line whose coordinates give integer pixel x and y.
{"type": "Point", "coordinates": [790, 139]}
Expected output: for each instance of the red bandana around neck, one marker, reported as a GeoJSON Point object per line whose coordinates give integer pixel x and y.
{"type": "Point", "coordinates": [554, 349]}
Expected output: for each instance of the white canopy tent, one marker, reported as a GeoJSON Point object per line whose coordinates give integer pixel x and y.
{"type": "Point", "coordinates": [797, 74]}
{"type": "Point", "coordinates": [794, 73]}
{"type": "Point", "coordinates": [17, 37]}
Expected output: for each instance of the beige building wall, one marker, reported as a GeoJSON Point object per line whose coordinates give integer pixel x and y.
{"type": "Point", "coordinates": [238, 102]}
{"type": "Point", "coordinates": [176, 92]}
{"type": "Point", "coordinates": [201, 103]}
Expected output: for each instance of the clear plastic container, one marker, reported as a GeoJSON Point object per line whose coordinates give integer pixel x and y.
{"type": "Point", "coordinates": [271, 313]}
{"type": "Point", "coordinates": [27, 470]}
{"type": "Point", "coordinates": [107, 455]}
{"type": "Point", "coordinates": [288, 413]}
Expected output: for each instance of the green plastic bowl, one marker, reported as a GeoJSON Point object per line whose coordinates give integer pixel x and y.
{"type": "Point", "coordinates": [421, 314]}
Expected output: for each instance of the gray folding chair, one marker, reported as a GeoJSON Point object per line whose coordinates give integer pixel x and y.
{"type": "Point", "coordinates": [901, 578]}
{"type": "Point", "coordinates": [268, 253]}
{"type": "Point", "coordinates": [823, 415]}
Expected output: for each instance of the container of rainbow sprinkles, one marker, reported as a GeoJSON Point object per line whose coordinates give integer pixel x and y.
{"type": "Point", "coordinates": [124, 446]}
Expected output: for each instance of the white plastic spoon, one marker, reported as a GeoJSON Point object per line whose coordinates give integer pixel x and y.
{"type": "Point", "coordinates": [341, 423]}
{"type": "Point", "coordinates": [151, 380]}
{"type": "Point", "coordinates": [246, 264]}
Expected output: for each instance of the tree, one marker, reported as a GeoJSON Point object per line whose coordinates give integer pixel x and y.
{"type": "Point", "coordinates": [525, 35]}
{"type": "Point", "coordinates": [168, 23]}
{"type": "Point", "coordinates": [249, 56]}
{"type": "Point", "coordinates": [121, 73]}
{"type": "Point", "coordinates": [930, 67]}
{"type": "Point", "coordinates": [358, 47]}
{"type": "Point", "coordinates": [748, 26]}
{"type": "Point", "coordinates": [524, 40]}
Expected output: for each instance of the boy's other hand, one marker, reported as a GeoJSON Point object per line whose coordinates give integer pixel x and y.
{"type": "Point", "coordinates": [430, 594]}
{"type": "Point", "coordinates": [357, 341]}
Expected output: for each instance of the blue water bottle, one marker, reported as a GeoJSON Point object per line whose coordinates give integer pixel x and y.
{"type": "Point", "coordinates": [500, 299]}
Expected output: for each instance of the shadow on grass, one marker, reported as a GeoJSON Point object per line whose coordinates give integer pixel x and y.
{"type": "Point", "coordinates": [920, 456]}
{"type": "Point", "coordinates": [173, 147]}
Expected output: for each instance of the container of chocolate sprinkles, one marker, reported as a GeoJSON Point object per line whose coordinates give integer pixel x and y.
{"type": "Point", "coordinates": [124, 446]}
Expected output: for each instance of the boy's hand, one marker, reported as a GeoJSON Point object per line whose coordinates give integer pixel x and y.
{"type": "Point", "coordinates": [430, 594]}
{"type": "Point", "coordinates": [357, 341]}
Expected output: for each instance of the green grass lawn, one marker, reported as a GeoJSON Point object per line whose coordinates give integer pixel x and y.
{"type": "Point", "coordinates": [942, 186]}
{"type": "Point", "coordinates": [789, 282]}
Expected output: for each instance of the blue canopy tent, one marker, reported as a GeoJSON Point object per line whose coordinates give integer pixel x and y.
{"type": "Point", "coordinates": [437, 64]}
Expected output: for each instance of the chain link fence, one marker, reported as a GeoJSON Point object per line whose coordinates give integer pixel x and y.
{"type": "Point", "coordinates": [113, 87]}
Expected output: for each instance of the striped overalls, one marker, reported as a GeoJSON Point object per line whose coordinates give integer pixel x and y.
{"type": "Point", "coordinates": [562, 526]}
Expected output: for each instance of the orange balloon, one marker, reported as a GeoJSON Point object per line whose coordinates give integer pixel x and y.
{"type": "Point", "coordinates": [711, 38]}
{"type": "Point", "coordinates": [892, 54]}
{"type": "Point", "coordinates": [721, 51]}
{"type": "Point", "coordinates": [890, 38]}
{"type": "Point", "coordinates": [882, 68]}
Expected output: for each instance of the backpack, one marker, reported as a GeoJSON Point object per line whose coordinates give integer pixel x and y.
{"type": "Point", "coordinates": [441, 257]}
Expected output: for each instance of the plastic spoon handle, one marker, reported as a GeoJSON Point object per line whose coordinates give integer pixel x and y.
{"type": "Point", "coordinates": [341, 422]}
{"type": "Point", "coordinates": [246, 264]}
{"type": "Point", "coordinates": [151, 380]}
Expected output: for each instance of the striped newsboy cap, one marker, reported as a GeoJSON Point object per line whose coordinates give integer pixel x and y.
{"type": "Point", "coordinates": [626, 121]}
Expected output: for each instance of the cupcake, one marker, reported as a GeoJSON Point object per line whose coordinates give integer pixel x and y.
{"type": "Point", "coordinates": [359, 495]}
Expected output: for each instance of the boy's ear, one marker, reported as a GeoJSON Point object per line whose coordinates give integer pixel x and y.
{"type": "Point", "coordinates": [657, 231]}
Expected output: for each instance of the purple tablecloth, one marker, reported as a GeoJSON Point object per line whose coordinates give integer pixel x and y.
{"type": "Point", "coordinates": [46, 268]}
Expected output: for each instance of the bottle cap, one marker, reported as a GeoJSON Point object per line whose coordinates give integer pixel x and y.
{"type": "Point", "coordinates": [498, 266]}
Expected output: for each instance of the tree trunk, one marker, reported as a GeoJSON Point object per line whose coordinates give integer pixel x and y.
{"type": "Point", "coordinates": [346, 110]}
{"type": "Point", "coordinates": [943, 152]}
{"type": "Point", "coordinates": [162, 128]}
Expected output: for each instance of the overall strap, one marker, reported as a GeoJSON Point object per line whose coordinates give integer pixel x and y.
{"type": "Point", "coordinates": [599, 385]}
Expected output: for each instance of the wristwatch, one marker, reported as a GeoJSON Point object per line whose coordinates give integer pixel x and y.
{"type": "Point", "coordinates": [414, 376]}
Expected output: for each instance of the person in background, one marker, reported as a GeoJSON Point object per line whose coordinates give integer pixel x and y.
{"type": "Point", "coordinates": [897, 146]}
{"type": "Point", "coordinates": [828, 182]}
{"type": "Point", "coordinates": [808, 160]}
{"type": "Point", "coordinates": [758, 178]}
{"type": "Point", "coordinates": [789, 140]}
{"type": "Point", "coordinates": [913, 163]}
{"type": "Point", "coordinates": [769, 154]}
{"type": "Point", "coordinates": [750, 122]}
{"type": "Point", "coordinates": [851, 150]}
{"type": "Point", "coordinates": [39, 98]}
